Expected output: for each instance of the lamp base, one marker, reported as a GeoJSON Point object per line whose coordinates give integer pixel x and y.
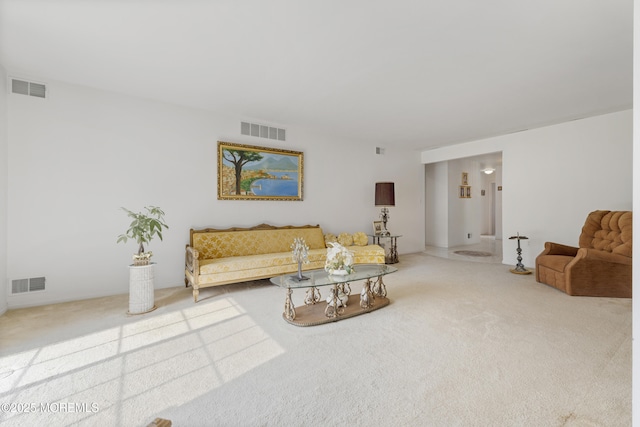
{"type": "Point", "coordinates": [384, 214]}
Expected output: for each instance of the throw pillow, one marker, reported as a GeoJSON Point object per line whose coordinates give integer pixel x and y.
{"type": "Point", "coordinates": [360, 239]}
{"type": "Point", "coordinates": [329, 238]}
{"type": "Point", "coordinates": [345, 239]}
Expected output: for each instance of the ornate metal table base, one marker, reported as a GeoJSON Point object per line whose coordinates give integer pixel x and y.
{"type": "Point", "coordinates": [335, 304]}
{"type": "Point", "coordinates": [289, 308]}
{"type": "Point", "coordinates": [379, 289]}
{"type": "Point", "coordinates": [340, 303]}
{"type": "Point", "coordinates": [366, 296]}
{"type": "Point", "coordinates": [313, 315]}
{"type": "Point", "coordinates": [312, 296]}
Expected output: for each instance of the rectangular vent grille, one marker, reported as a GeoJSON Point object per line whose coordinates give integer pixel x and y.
{"type": "Point", "coordinates": [262, 131]}
{"type": "Point", "coordinates": [24, 87]}
{"type": "Point", "coordinates": [33, 284]}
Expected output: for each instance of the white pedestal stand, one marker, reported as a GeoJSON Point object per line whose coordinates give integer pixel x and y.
{"type": "Point", "coordinates": [141, 289]}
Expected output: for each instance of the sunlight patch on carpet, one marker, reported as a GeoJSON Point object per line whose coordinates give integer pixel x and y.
{"type": "Point", "coordinates": [196, 349]}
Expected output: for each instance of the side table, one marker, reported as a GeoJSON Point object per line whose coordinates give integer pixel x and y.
{"type": "Point", "coordinates": [390, 257]}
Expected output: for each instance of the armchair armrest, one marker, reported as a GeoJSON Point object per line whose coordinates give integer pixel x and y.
{"type": "Point", "coordinates": [595, 255]}
{"type": "Point", "coordinates": [551, 248]}
{"type": "Point", "coordinates": [599, 273]}
{"type": "Point", "coordinates": [191, 265]}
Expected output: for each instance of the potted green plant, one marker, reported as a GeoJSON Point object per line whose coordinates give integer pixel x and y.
{"type": "Point", "coordinates": [143, 228]}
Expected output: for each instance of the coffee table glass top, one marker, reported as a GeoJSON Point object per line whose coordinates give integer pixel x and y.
{"type": "Point", "coordinates": [322, 278]}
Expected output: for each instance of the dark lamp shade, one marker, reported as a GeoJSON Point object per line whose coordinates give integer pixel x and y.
{"type": "Point", "coordinates": [385, 194]}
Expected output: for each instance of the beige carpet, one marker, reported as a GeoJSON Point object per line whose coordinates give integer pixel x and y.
{"type": "Point", "coordinates": [461, 344]}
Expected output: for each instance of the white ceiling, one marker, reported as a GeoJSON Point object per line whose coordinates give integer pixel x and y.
{"type": "Point", "coordinates": [417, 74]}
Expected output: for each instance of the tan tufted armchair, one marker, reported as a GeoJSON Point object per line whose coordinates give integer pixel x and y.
{"type": "Point", "coordinates": [600, 267]}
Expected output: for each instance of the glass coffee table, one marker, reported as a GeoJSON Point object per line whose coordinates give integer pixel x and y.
{"type": "Point", "coordinates": [339, 303]}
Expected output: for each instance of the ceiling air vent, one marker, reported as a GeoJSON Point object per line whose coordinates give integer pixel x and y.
{"type": "Point", "coordinates": [33, 284]}
{"type": "Point", "coordinates": [24, 87]}
{"type": "Point", "coordinates": [262, 131]}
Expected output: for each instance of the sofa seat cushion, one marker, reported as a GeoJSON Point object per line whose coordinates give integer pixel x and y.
{"type": "Point", "coordinates": [254, 273]}
{"type": "Point", "coordinates": [261, 261]}
{"type": "Point", "coordinates": [370, 254]}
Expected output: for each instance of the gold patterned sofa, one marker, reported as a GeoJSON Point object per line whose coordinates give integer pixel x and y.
{"type": "Point", "coordinates": [218, 257]}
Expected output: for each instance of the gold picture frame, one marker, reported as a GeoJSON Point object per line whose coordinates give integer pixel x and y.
{"type": "Point", "coordinates": [265, 173]}
{"type": "Point", "coordinates": [465, 178]}
{"type": "Point", "coordinates": [465, 192]}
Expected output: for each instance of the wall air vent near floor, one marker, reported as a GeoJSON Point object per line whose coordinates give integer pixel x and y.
{"type": "Point", "coordinates": [33, 284]}
{"type": "Point", "coordinates": [24, 87]}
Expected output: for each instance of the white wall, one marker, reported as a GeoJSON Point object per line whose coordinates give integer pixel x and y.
{"type": "Point", "coordinates": [488, 184]}
{"type": "Point", "coordinates": [78, 156]}
{"type": "Point", "coordinates": [3, 188]}
{"type": "Point", "coordinates": [498, 204]}
{"type": "Point", "coordinates": [465, 214]}
{"type": "Point", "coordinates": [437, 204]}
{"type": "Point", "coordinates": [552, 177]}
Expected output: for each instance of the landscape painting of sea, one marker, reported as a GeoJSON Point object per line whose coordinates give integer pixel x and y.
{"type": "Point", "coordinates": [258, 173]}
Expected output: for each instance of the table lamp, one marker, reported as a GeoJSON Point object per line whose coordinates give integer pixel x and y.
{"type": "Point", "coordinates": [385, 197]}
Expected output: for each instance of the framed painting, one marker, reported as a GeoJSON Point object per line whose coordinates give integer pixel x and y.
{"type": "Point", "coordinates": [465, 192]}
{"type": "Point", "coordinates": [247, 172]}
{"type": "Point", "coordinates": [377, 228]}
